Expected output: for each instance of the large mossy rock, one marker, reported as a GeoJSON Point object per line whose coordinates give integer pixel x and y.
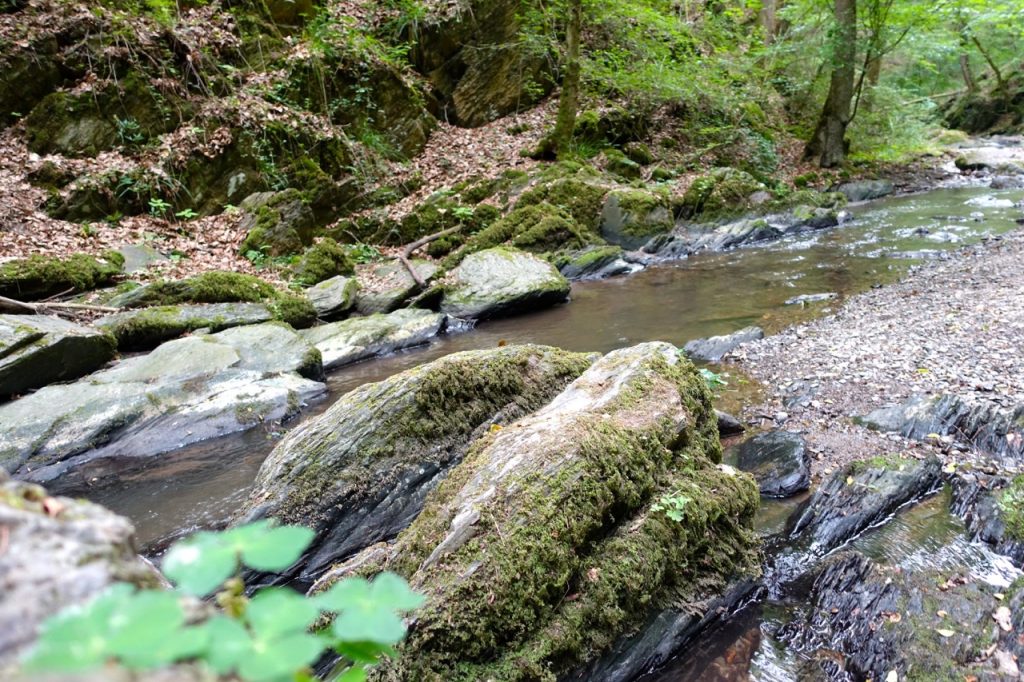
{"type": "Point", "coordinates": [611, 493]}
{"type": "Point", "coordinates": [323, 260]}
{"type": "Point", "coordinates": [36, 350]}
{"type": "Point", "coordinates": [276, 223]}
{"type": "Point", "coordinates": [185, 391]}
{"type": "Point", "coordinates": [359, 473]}
{"type": "Point", "coordinates": [630, 218]}
{"type": "Point", "coordinates": [149, 327]}
{"type": "Point", "coordinates": [334, 297]}
{"type": "Point", "coordinates": [358, 338]}
{"type": "Point", "coordinates": [723, 191]}
{"type": "Point", "coordinates": [537, 228]}
{"type": "Point", "coordinates": [502, 281]}
{"type": "Point", "coordinates": [57, 552]}
{"type": "Point", "coordinates": [41, 276]}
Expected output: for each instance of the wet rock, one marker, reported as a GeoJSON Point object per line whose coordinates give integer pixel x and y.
{"type": "Point", "coordinates": [358, 338]}
{"type": "Point", "coordinates": [386, 286]}
{"type": "Point", "coordinates": [502, 281]}
{"type": "Point", "coordinates": [630, 217]}
{"type": "Point", "coordinates": [734, 234]}
{"type": "Point", "coordinates": [866, 190]}
{"type": "Point", "coordinates": [185, 391]}
{"type": "Point", "coordinates": [989, 158]}
{"type": "Point", "coordinates": [780, 462]}
{"type": "Point", "coordinates": [146, 328]}
{"type": "Point", "coordinates": [987, 427]}
{"type": "Point", "coordinates": [597, 262]}
{"type": "Point", "coordinates": [816, 218]}
{"type": "Point", "coordinates": [880, 621]}
{"type": "Point", "coordinates": [1008, 182]}
{"type": "Point", "coordinates": [728, 425]}
{"type": "Point", "coordinates": [810, 298]}
{"type": "Point", "coordinates": [714, 348]}
{"type": "Point", "coordinates": [573, 499]}
{"type": "Point", "coordinates": [360, 472]}
{"type": "Point", "coordinates": [984, 502]}
{"type": "Point", "coordinates": [333, 297]}
{"type": "Point", "coordinates": [276, 223]}
{"type": "Point", "coordinates": [36, 350]}
{"type": "Point", "coordinates": [859, 496]}
{"type": "Point", "coordinates": [57, 552]}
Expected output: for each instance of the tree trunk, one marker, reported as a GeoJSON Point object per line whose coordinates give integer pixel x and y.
{"type": "Point", "coordinates": [769, 17]}
{"type": "Point", "coordinates": [873, 76]}
{"type": "Point", "coordinates": [568, 100]}
{"type": "Point", "coordinates": [965, 70]}
{"type": "Point", "coordinates": [828, 144]}
{"type": "Point", "coordinates": [1000, 82]}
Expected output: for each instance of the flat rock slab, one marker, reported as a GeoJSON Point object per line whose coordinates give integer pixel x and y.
{"type": "Point", "coordinates": [36, 350]}
{"type": "Point", "coordinates": [778, 460]}
{"type": "Point", "coordinates": [359, 473]}
{"type": "Point", "coordinates": [386, 286]}
{"type": "Point", "coordinates": [185, 391]}
{"type": "Point", "coordinates": [146, 328]}
{"type": "Point", "coordinates": [714, 348]}
{"type": "Point", "coordinates": [358, 338]}
{"type": "Point", "coordinates": [333, 297]}
{"type": "Point", "coordinates": [502, 281]}
{"type": "Point", "coordinates": [865, 190]}
{"type": "Point", "coordinates": [138, 257]}
{"type": "Point", "coordinates": [57, 552]}
{"type": "Point", "coordinates": [804, 299]}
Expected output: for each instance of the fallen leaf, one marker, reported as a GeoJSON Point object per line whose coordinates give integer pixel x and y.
{"type": "Point", "coordinates": [945, 633]}
{"type": "Point", "coordinates": [1002, 617]}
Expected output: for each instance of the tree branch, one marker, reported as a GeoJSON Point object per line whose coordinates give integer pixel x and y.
{"type": "Point", "coordinates": [408, 250]}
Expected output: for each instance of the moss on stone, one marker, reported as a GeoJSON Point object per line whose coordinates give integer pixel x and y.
{"type": "Point", "coordinates": [582, 199]}
{"type": "Point", "coordinates": [40, 276]}
{"type": "Point", "coordinates": [323, 260]}
{"type": "Point", "coordinates": [209, 287]}
{"type": "Point", "coordinates": [619, 164]}
{"type": "Point", "coordinates": [1011, 508]}
{"type": "Point", "coordinates": [648, 212]}
{"type": "Point", "coordinates": [721, 192]}
{"type": "Point", "coordinates": [296, 311]}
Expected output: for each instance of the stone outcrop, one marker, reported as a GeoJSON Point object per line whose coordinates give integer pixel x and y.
{"type": "Point", "coordinates": [149, 327]}
{"type": "Point", "coordinates": [714, 348]}
{"type": "Point", "coordinates": [334, 297]}
{"type": "Point", "coordinates": [779, 461]}
{"type": "Point", "coordinates": [358, 338]}
{"type": "Point", "coordinates": [502, 281]}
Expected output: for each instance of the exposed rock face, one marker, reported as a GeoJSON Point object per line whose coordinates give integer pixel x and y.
{"type": "Point", "coordinates": [148, 327]}
{"type": "Point", "coordinates": [987, 427]}
{"type": "Point", "coordinates": [859, 496]}
{"type": "Point", "coordinates": [36, 350]}
{"type": "Point", "coordinates": [57, 552]}
{"type": "Point", "coordinates": [502, 281]}
{"type": "Point", "coordinates": [597, 262]}
{"type": "Point", "coordinates": [276, 223]}
{"type": "Point", "coordinates": [977, 499]}
{"type": "Point", "coordinates": [714, 348]}
{"type": "Point", "coordinates": [389, 285]}
{"type": "Point", "coordinates": [358, 338]}
{"type": "Point", "coordinates": [333, 297]}
{"type": "Point", "coordinates": [865, 190]}
{"type": "Point", "coordinates": [631, 217]}
{"type": "Point", "coordinates": [568, 500]}
{"type": "Point", "coordinates": [183, 392]}
{"type": "Point", "coordinates": [779, 461]}
{"type": "Point", "coordinates": [359, 473]}
{"type": "Point", "coordinates": [882, 620]}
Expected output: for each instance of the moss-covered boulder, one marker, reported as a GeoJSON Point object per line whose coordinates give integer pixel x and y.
{"type": "Point", "coordinates": [276, 223]}
{"type": "Point", "coordinates": [723, 191]}
{"type": "Point", "coordinates": [149, 327]}
{"type": "Point", "coordinates": [617, 163]}
{"type": "Point", "coordinates": [27, 75]}
{"type": "Point", "coordinates": [630, 217]}
{"type": "Point", "coordinates": [537, 228]}
{"type": "Point", "coordinates": [581, 198]}
{"type": "Point", "coordinates": [41, 276]}
{"type": "Point", "coordinates": [612, 493]}
{"type": "Point", "coordinates": [323, 260]}
{"type": "Point", "coordinates": [334, 297]}
{"type": "Point", "coordinates": [360, 472]}
{"type": "Point", "coordinates": [58, 552]}
{"type": "Point", "coordinates": [358, 338]}
{"type": "Point", "coordinates": [384, 287]}
{"type": "Point", "coordinates": [36, 350]}
{"type": "Point", "coordinates": [502, 281]}
{"type": "Point", "coordinates": [595, 262]}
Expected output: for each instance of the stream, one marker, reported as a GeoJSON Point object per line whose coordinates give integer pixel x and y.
{"type": "Point", "coordinates": [707, 294]}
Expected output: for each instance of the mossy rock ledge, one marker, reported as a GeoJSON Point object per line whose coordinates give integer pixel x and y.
{"type": "Point", "coordinates": [149, 327]}
{"type": "Point", "coordinates": [359, 473]}
{"type": "Point", "coordinates": [566, 501]}
{"type": "Point", "coordinates": [41, 276]}
{"type": "Point", "coordinates": [502, 281]}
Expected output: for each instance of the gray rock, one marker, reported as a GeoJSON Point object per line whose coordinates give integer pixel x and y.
{"type": "Point", "coordinates": [597, 262]}
{"type": "Point", "coordinates": [57, 552]}
{"type": "Point", "coordinates": [185, 391]}
{"type": "Point", "coordinates": [578, 486]}
{"type": "Point", "coordinates": [976, 500]}
{"type": "Point", "coordinates": [276, 223]}
{"type": "Point", "coordinates": [138, 257]}
{"type": "Point", "coordinates": [630, 218]}
{"type": "Point", "coordinates": [333, 297]}
{"type": "Point", "coordinates": [990, 158]}
{"type": "Point", "coordinates": [386, 286]}
{"type": "Point", "coordinates": [36, 350]}
{"type": "Point", "coordinates": [359, 472]}
{"type": "Point", "coordinates": [778, 460]}
{"type": "Point", "coordinates": [728, 425]}
{"type": "Point", "coordinates": [1008, 182]}
{"type": "Point", "coordinates": [714, 348]}
{"type": "Point", "coordinates": [144, 328]}
{"type": "Point", "coordinates": [502, 281]}
{"type": "Point", "coordinates": [736, 233]}
{"type": "Point", "coordinates": [865, 190]}
{"type": "Point", "coordinates": [804, 299]}
{"type": "Point", "coordinates": [358, 338]}
{"type": "Point", "coordinates": [816, 218]}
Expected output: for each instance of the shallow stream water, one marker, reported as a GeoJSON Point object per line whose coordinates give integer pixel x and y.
{"type": "Point", "coordinates": [708, 294]}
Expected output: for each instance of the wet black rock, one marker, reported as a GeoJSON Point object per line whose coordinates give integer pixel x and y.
{"type": "Point", "coordinates": [976, 500]}
{"type": "Point", "coordinates": [779, 461]}
{"type": "Point", "coordinates": [714, 348]}
{"type": "Point", "coordinates": [728, 425]}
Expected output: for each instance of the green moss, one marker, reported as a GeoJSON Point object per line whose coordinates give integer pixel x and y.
{"type": "Point", "coordinates": [296, 311]}
{"type": "Point", "coordinates": [887, 462]}
{"type": "Point", "coordinates": [640, 153]}
{"type": "Point", "coordinates": [1011, 508]}
{"type": "Point", "coordinates": [321, 261]}
{"type": "Point", "coordinates": [721, 192]}
{"type": "Point", "coordinates": [582, 199]}
{"type": "Point", "coordinates": [646, 213]}
{"type": "Point", "coordinates": [209, 287]}
{"type": "Point", "coordinates": [619, 164]}
{"type": "Point", "coordinates": [40, 276]}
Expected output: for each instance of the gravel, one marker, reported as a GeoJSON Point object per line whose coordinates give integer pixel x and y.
{"type": "Point", "coordinates": [950, 327]}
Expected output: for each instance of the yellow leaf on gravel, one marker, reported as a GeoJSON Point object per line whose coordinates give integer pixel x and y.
{"type": "Point", "coordinates": [945, 633]}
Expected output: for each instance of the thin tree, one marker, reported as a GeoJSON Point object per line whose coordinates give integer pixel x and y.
{"type": "Point", "coordinates": [828, 144]}
{"type": "Point", "coordinates": [557, 142]}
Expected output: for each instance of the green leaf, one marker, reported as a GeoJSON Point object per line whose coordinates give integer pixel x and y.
{"type": "Point", "coordinates": [76, 639]}
{"type": "Point", "coordinates": [141, 625]}
{"type": "Point", "coordinates": [369, 623]}
{"type": "Point", "coordinates": [391, 590]}
{"type": "Point", "coordinates": [356, 673]}
{"type": "Point", "coordinates": [229, 643]}
{"type": "Point", "coordinates": [362, 652]}
{"type": "Point", "coordinates": [274, 612]}
{"type": "Point", "coordinates": [201, 563]}
{"type": "Point", "coordinates": [277, 548]}
{"type": "Point", "coordinates": [281, 657]}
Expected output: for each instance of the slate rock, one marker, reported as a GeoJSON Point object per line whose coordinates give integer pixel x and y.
{"type": "Point", "coordinates": [502, 281]}
{"type": "Point", "coordinates": [779, 461]}
{"type": "Point", "coordinates": [714, 348]}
